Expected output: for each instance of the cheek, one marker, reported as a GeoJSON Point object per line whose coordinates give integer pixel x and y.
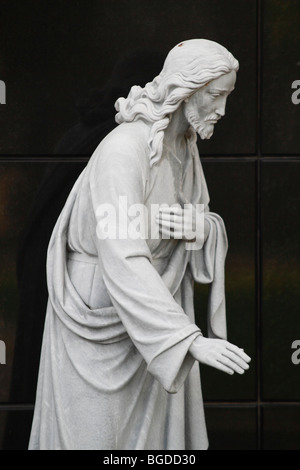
{"type": "Point", "coordinates": [204, 105]}
{"type": "Point", "coordinates": [208, 105]}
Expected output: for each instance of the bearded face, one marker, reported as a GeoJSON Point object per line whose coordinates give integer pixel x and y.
{"type": "Point", "coordinates": [207, 105]}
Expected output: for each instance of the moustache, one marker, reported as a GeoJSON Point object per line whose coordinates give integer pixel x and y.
{"type": "Point", "coordinates": [212, 117]}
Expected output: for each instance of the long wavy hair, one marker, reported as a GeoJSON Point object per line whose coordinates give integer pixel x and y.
{"type": "Point", "coordinates": [188, 66]}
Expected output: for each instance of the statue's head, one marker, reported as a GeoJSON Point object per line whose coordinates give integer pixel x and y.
{"type": "Point", "coordinates": [189, 66]}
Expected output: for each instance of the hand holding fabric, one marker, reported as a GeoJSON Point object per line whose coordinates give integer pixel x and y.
{"type": "Point", "coordinates": [182, 223]}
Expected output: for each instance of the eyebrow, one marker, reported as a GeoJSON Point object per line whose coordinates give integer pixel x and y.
{"type": "Point", "coordinates": [219, 90]}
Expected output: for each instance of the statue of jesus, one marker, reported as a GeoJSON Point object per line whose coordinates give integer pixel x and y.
{"type": "Point", "coordinates": [119, 366]}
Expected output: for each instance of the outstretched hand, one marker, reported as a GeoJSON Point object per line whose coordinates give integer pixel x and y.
{"type": "Point", "coordinates": [220, 354]}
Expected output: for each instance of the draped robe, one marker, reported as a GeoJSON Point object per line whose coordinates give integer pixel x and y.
{"type": "Point", "coordinates": [115, 368]}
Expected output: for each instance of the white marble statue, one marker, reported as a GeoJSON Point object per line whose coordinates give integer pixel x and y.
{"type": "Point", "coordinates": [119, 364]}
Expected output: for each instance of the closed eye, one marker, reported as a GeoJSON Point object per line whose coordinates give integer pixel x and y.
{"type": "Point", "coordinates": [214, 95]}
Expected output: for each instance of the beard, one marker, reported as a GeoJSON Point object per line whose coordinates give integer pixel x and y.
{"type": "Point", "coordinates": [204, 128]}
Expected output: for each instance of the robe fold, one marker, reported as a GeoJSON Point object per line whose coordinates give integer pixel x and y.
{"type": "Point", "coordinates": [115, 369]}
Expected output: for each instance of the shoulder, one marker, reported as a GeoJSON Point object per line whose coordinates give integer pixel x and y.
{"type": "Point", "coordinates": [128, 140]}
{"type": "Point", "coordinates": [122, 150]}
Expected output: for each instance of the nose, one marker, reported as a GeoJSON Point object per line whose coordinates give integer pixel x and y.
{"type": "Point", "coordinates": [221, 106]}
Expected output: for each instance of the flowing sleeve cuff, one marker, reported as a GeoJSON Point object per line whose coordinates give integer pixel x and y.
{"type": "Point", "coordinates": [173, 362]}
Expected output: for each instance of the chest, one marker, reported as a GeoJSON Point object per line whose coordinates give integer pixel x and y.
{"type": "Point", "coordinates": [170, 179]}
{"type": "Point", "coordinates": [169, 183]}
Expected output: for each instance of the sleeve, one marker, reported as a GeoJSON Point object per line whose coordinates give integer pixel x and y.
{"type": "Point", "coordinates": [156, 323]}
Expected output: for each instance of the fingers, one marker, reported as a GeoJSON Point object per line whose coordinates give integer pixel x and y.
{"type": "Point", "coordinates": [220, 366]}
{"type": "Point", "coordinates": [230, 364]}
{"type": "Point", "coordinates": [168, 233]}
{"type": "Point", "coordinates": [171, 210]}
{"type": "Point", "coordinates": [169, 227]}
{"type": "Point", "coordinates": [176, 214]}
{"type": "Point", "coordinates": [234, 358]}
{"type": "Point", "coordinates": [241, 364]}
{"type": "Point", "coordinates": [173, 223]}
{"type": "Point", "coordinates": [169, 217]}
{"type": "Point", "coordinates": [238, 351]}
{"type": "Point", "coordinates": [176, 225]}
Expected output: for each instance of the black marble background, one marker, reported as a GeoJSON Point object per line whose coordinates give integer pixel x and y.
{"type": "Point", "coordinates": [64, 64]}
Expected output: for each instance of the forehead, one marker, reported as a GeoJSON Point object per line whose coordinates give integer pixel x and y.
{"type": "Point", "coordinates": [224, 83]}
